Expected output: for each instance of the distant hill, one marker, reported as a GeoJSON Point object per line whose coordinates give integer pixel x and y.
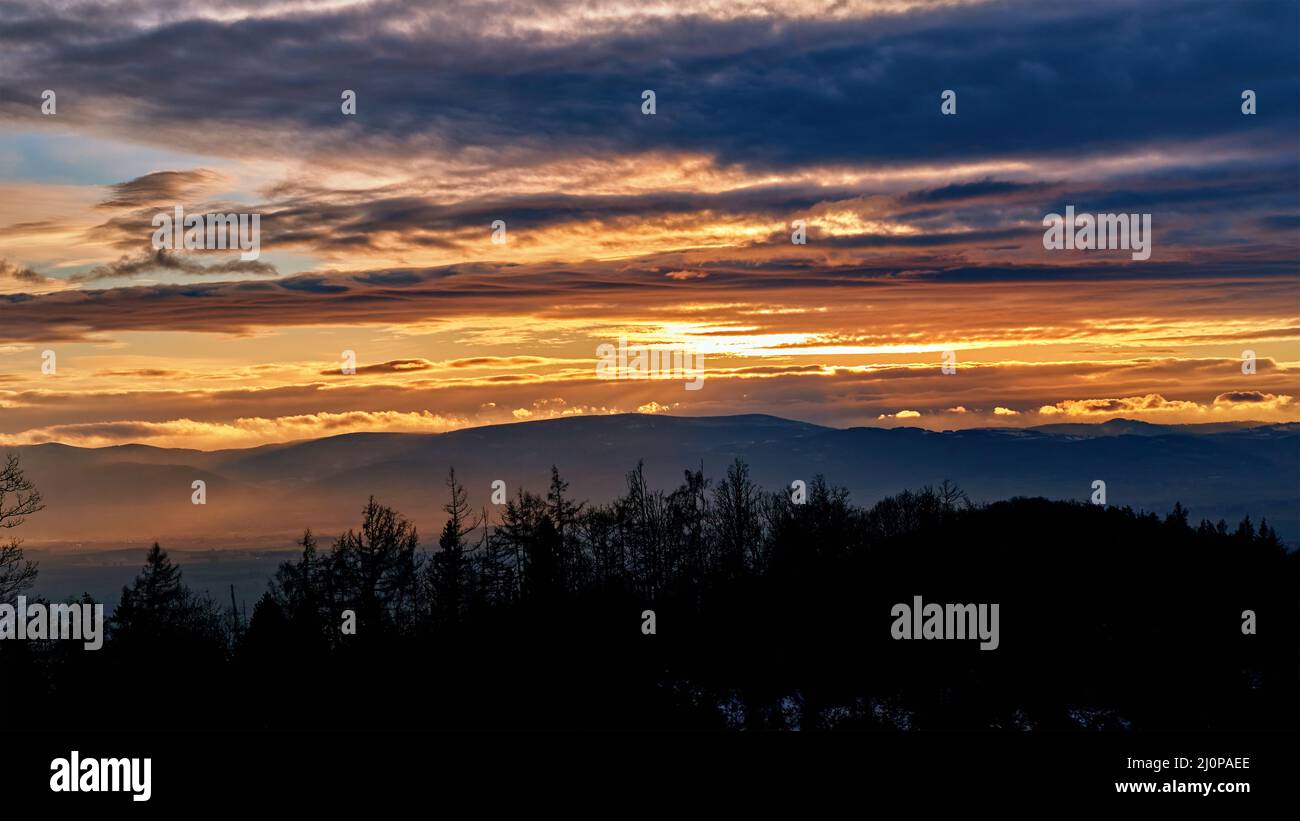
{"type": "Point", "coordinates": [264, 497]}
{"type": "Point", "coordinates": [1132, 427]}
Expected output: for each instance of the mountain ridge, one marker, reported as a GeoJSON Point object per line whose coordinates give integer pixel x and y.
{"type": "Point", "coordinates": [265, 495]}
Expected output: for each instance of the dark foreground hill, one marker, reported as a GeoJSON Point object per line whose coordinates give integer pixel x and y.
{"type": "Point", "coordinates": [766, 615]}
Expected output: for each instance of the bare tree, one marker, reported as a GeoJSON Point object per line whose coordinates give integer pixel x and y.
{"type": "Point", "coordinates": [952, 497]}
{"type": "Point", "coordinates": [19, 498]}
{"type": "Point", "coordinates": [738, 529]}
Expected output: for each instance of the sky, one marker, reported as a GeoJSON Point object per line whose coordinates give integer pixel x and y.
{"type": "Point", "coordinates": [673, 229]}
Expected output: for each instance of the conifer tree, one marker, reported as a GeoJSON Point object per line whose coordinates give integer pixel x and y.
{"type": "Point", "coordinates": [448, 569]}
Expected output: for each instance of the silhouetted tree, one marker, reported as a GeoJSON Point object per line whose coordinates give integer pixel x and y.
{"type": "Point", "coordinates": [771, 615]}
{"type": "Point", "coordinates": [495, 577]}
{"type": "Point", "coordinates": [563, 513]}
{"type": "Point", "coordinates": [1177, 517]}
{"type": "Point", "coordinates": [737, 522]}
{"type": "Point", "coordinates": [19, 498]}
{"type": "Point", "coordinates": [645, 529]}
{"type": "Point", "coordinates": [689, 510]}
{"type": "Point", "coordinates": [157, 608]}
{"type": "Point", "coordinates": [300, 592]}
{"type": "Point", "coordinates": [374, 572]}
{"type": "Point", "coordinates": [519, 528]}
{"type": "Point", "coordinates": [448, 573]}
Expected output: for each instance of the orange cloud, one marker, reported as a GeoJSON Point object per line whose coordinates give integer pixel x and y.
{"type": "Point", "coordinates": [1129, 404]}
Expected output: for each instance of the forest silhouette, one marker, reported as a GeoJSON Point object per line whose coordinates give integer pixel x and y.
{"type": "Point", "coordinates": [769, 615]}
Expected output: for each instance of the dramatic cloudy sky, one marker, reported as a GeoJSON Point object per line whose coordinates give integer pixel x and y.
{"type": "Point", "coordinates": [924, 230]}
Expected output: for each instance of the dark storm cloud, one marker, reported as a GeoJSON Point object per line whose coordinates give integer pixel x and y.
{"type": "Point", "coordinates": [970, 191]}
{"type": "Point", "coordinates": [923, 240]}
{"type": "Point", "coordinates": [158, 188]}
{"type": "Point", "coordinates": [392, 366]}
{"type": "Point", "coordinates": [1245, 396]}
{"type": "Point", "coordinates": [1031, 78]}
{"type": "Point", "coordinates": [423, 295]}
{"type": "Point", "coordinates": [343, 226]}
{"type": "Point", "coordinates": [312, 285]}
{"type": "Point", "coordinates": [21, 273]}
{"type": "Point", "coordinates": [1281, 222]}
{"type": "Point", "coordinates": [162, 260]}
{"type": "Point", "coordinates": [1191, 190]}
{"type": "Point", "coordinates": [1196, 205]}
